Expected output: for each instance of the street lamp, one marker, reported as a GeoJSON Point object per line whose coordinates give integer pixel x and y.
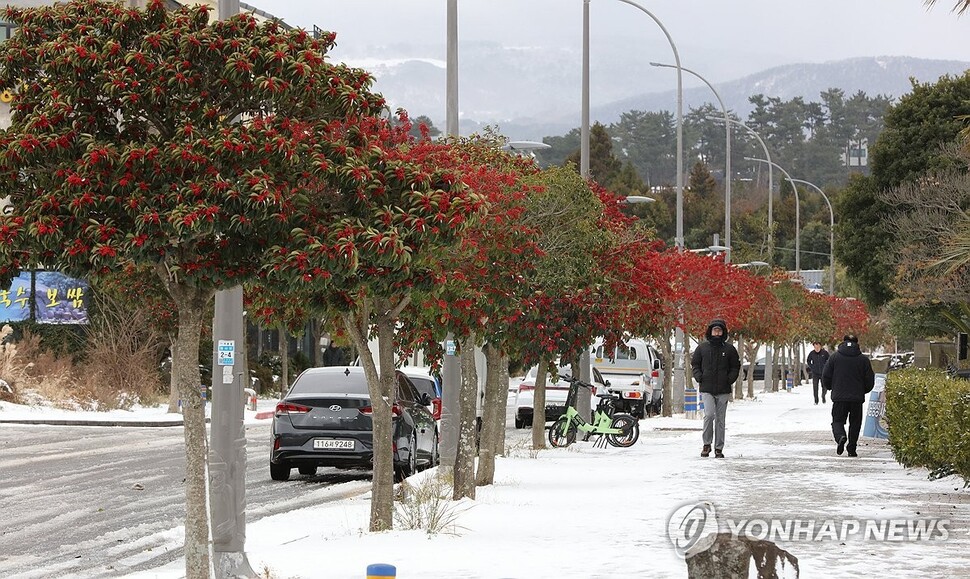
{"type": "Point", "coordinates": [798, 263]}
{"type": "Point", "coordinates": [632, 199]}
{"type": "Point", "coordinates": [752, 264]}
{"type": "Point", "coordinates": [727, 157]}
{"type": "Point", "coordinates": [831, 234]}
{"type": "Point", "coordinates": [678, 399]}
{"type": "Point", "coordinates": [771, 184]}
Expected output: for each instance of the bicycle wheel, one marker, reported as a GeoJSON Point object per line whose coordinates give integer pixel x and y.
{"type": "Point", "coordinates": [630, 428]}
{"type": "Point", "coordinates": [562, 433]}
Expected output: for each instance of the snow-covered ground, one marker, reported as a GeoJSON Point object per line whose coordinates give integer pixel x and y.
{"type": "Point", "coordinates": [587, 512]}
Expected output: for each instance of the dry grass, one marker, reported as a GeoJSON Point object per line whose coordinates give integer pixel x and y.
{"type": "Point", "coordinates": [119, 368]}
{"type": "Point", "coordinates": [428, 506]}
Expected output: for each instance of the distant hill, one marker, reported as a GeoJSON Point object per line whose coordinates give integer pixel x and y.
{"type": "Point", "coordinates": [882, 75]}
{"type": "Point", "coordinates": [530, 93]}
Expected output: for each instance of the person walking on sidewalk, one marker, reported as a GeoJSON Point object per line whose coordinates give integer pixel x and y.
{"type": "Point", "coordinates": [715, 365]}
{"type": "Point", "coordinates": [816, 363]}
{"type": "Point", "coordinates": [848, 375]}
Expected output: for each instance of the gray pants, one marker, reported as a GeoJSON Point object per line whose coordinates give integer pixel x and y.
{"type": "Point", "coordinates": [715, 410]}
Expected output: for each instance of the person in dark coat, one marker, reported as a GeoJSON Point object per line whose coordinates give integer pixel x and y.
{"type": "Point", "coordinates": [816, 363]}
{"type": "Point", "coordinates": [715, 365]}
{"type": "Point", "coordinates": [849, 376]}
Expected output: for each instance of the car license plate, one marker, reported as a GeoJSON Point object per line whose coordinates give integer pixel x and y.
{"type": "Point", "coordinates": [330, 443]}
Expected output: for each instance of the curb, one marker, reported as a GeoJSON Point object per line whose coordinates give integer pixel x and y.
{"type": "Point", "coordinates": [265, 414]}
{"type": "Point", "coordinates": [50, 422]}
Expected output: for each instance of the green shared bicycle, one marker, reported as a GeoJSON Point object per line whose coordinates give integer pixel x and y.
{"type": "Point", "coordinates": [617, 428]}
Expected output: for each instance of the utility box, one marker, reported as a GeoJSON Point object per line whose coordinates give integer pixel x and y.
{"type": "Point", "coordinates": [934, 354]}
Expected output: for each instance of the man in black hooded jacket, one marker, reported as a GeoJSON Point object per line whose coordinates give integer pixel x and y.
{"type": "Point", "coordinates": [715, 365]}
{"type": "Point", "coordinates": [848, 375]}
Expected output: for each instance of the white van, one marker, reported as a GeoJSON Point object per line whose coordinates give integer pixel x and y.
{"type": "Point", "coordinates": [638, 369]}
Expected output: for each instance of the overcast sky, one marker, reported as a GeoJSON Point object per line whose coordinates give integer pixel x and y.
{"type": "Point", "coordinates": [722, 39]}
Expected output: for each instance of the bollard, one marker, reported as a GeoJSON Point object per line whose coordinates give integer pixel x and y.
{"type": "Point", "coordinates": [250, 398]}
{"type": "Point", "coordinates": [690, 403]}
{"type": "Point", "coordinates": [381, 571]}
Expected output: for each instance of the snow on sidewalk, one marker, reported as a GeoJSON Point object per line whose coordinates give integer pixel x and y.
{"type": "Point", "coordinates": [585, 512]}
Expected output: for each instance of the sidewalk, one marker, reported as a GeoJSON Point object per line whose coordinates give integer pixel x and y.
{"type": "Point", "coordinates": [584, 512]}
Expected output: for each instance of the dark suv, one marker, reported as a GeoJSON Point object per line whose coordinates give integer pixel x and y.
{"type": "Point", "coordinates": [325, 420]}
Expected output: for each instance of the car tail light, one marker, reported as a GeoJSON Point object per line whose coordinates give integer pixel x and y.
{"type": "Point", "coordinates": [632, 394]}
{"type": "Point", "coordinates": [526, 387]}
{"type": "Point", "coordinates": [655, 374]}
{"type": "Point", "coordinates": [368, 410]}
{"type": "Point", "coordinates": [289, 408]}
{"type": "Point", "coordinates": [436, 408]}
{"type": "Point", "coordinates": [277, 442]}
{"type": "Point", "coordinates": [594, 390]}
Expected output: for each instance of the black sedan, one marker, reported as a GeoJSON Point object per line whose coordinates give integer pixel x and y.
{"type": "Point", "coordinates": [759, 369]}
{"type": "Point", "coordinates": [325, 420]}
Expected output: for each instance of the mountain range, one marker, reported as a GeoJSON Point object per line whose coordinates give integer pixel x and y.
{"type": "Point", "coordinates": [529, 92]}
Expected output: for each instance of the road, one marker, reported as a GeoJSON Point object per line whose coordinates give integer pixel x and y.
{"type": "Point", "coordinates": [107, 501]}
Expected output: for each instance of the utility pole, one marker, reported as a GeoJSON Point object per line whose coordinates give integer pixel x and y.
{"type": "Point", "coordinates": [450, 363]}
{"type": "Point", "coordinates": [227, 453]}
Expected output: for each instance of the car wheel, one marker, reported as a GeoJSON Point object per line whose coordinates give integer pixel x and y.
{"type": "Point", "coordinates": [412, 457]}
{"type": "Point", "coordinates": [435, 456]}
{"type": "Point", "coordinates": [308, 470]}
{"type": "Point", "coordinates": [403, 472]}
{"type": "Point", "coordinates": [279, 471]}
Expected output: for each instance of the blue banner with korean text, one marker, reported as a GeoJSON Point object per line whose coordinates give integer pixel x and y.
{"type": "Point", "coordinates": [56, 299]}
{"type": "Point", "coordinates": [15, 301]}
{"type": "Point", "coordinates": [60, 299]}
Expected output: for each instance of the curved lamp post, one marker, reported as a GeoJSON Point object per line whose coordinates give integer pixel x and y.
{"type": "Point", "coordinates": [831, 234]}
{"type": "Point", "coordinates": [771, 183]}
{"type": "Point", "coordinates": [798, 253]}
{"type": "Point", "coordinates": [680, 125]}
{"type": "Point", "coordinates": [679, 379]}
{"type": "Point", "coordinates": [727, 158]}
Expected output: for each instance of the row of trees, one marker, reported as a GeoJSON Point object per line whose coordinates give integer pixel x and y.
{"type": "Point", "coordinates": [184, 157]}
{"type": "Point", "coordinates": [807, 138]}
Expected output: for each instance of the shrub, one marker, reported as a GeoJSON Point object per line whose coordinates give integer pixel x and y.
{"type": "Point", "coordinates": [948, 409]}
{"type": "Point", "coordinates": [928, 413]}
{"type": "Point", "coordinates": [906, 415]}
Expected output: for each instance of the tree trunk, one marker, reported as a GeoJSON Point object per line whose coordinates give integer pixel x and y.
{"type": "Point", "coordinates": [503, 382]}
{"type": "Point", "coordinates": [316, 354]}
{"type": "Point", "coordinates": [381, 388]}
{"type": "Point", "coordinates": [468, 423]}
{"type": "Point", "coordinates": [667, 406]}
{"type": "Point", "coordinates": [688, 368]}
{"type": "Point", "coordinates": [493, 416]}
{"type": "Point", "coordinates": [284, 361]}
{"type": "Point", "coordinates": [173, 387]}
{"type": "Point", "coordinates": [739, 383]}
{"type": "Point", "coordinates": [539, 406]}
{"type": "Point", "coordinates": [751, 354]}
{"type": "Point", "coordinates": [774, 366]}
{"type": "Point", "coordinates": [191, 304]}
